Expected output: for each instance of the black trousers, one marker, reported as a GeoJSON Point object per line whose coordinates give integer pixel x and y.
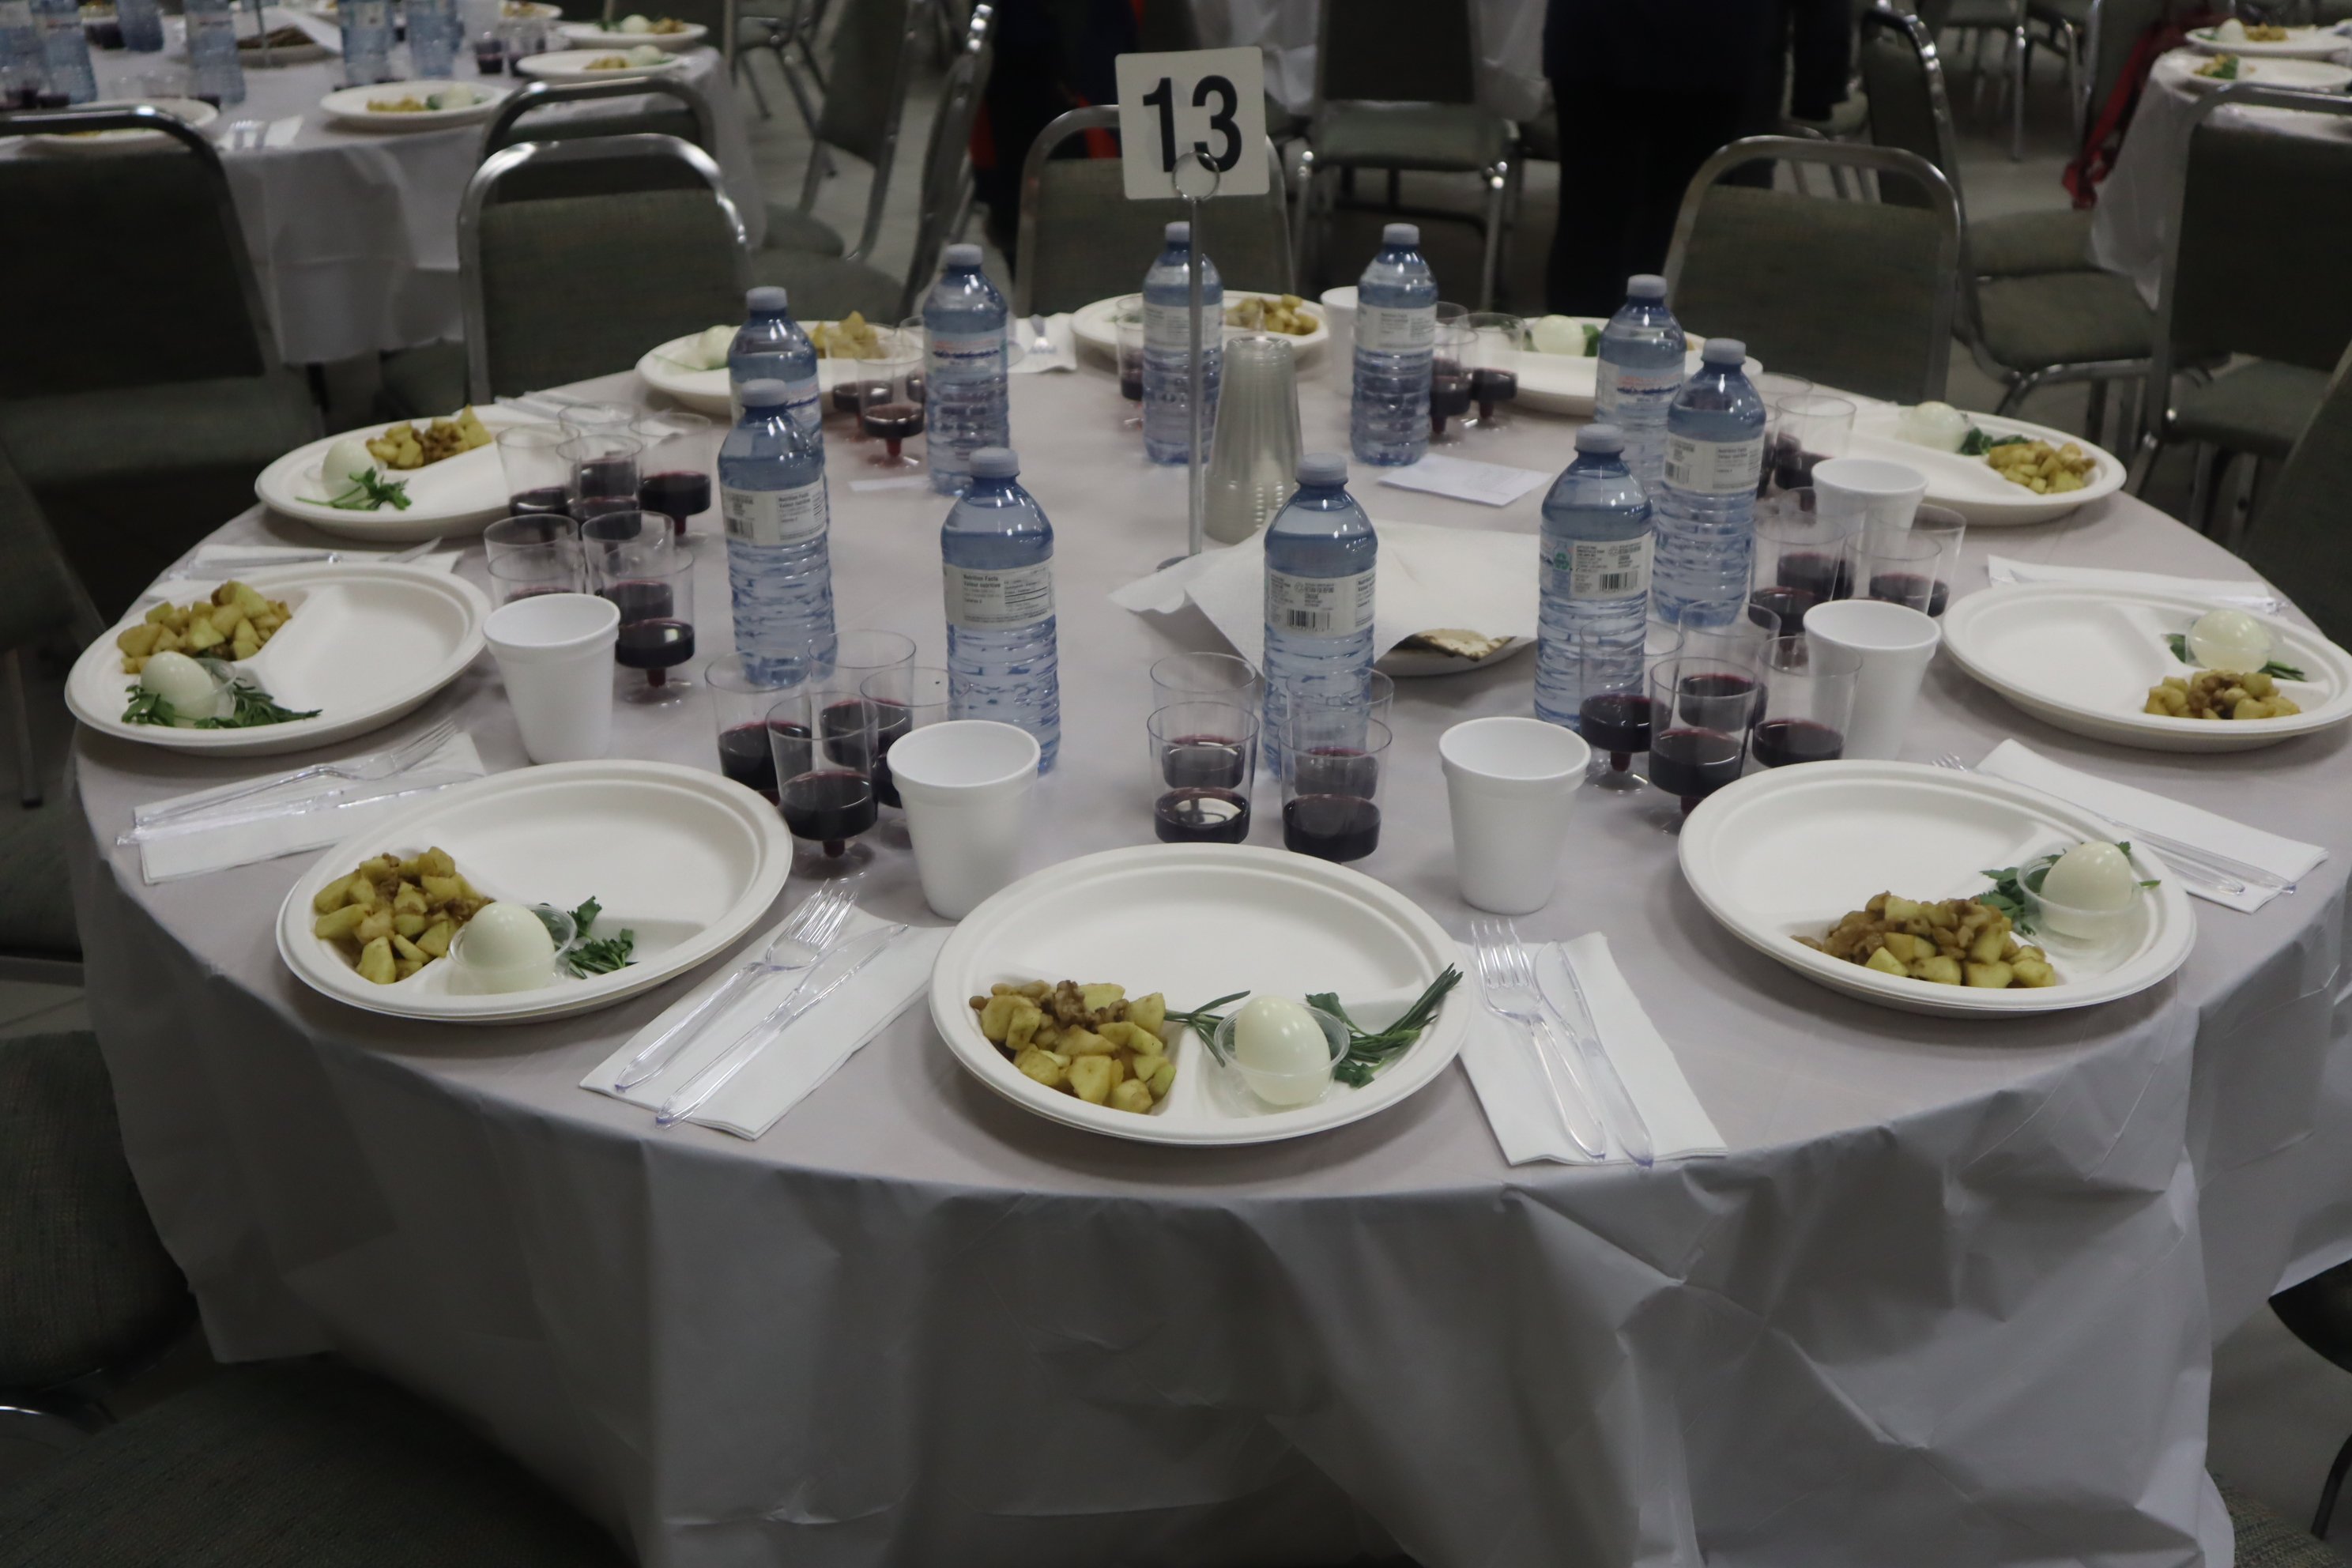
{"type": "Point", "coordinates": [1626, 156]}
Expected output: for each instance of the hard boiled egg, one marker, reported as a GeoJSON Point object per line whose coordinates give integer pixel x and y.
{"type": "Point", "coordinates": [648, 54]}
{"type": "Point", "coordinates": [1558, 335]}
{"type": "Point", "coordinates": [710, 350]}
{"type": "Point", "coordinates": [2231, 640]}
{"type": "Point", "coordinates": [186, 685]}
{"type": "Point", "coordinates": [345, 461]}
{"type": "Point", "coordinates": [635, 23]}
{"type": "Point", "coordinates": [2092, 877]}
{"type": "Point", "coordinates": [1281, 1049]}
{"type": "Point", "coordinates": [505, 947]}
{"type": "Point", "coordinates": [1938, 426]}
{"type": "Point", "coordinates": [2231, 32]}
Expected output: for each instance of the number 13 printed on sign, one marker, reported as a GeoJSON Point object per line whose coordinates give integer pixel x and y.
{"type": "Point", "coordinates": [1208, 104]}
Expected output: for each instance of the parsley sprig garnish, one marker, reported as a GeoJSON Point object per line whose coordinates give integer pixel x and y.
{"type": "Point", "coordinates": [366, 492]}
{"type": "Point", "coordinates": [603, 956]}
{"type": "Point", "coordinates": [1369, 1050]}
{"type": "Point", "coordinates": [2274, 669]}
{"type": "Point", "coordinates": [253, 707]}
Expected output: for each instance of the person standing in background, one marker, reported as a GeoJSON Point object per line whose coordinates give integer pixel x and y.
{"type": "Point", "coordinates": [1646, 90]}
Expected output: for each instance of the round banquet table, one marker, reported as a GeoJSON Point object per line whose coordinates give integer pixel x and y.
{"type": "Point", "coordinates": [1949, 1298]}
{"type": "Point", "coordinates": [353, 234]}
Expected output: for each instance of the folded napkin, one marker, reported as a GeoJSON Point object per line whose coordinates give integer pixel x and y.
{"type": "Point", "coordinates": [2251, 594]}
{"type": "Point", "coordinates": [1518, 1099]}
{"type": "Point", "coordinates": [217, 560]}
{"type": "Point", "coordinates": [327, 34]}
{"type": "Point", "coordinates": [2130, 808]}
{"type": "Point", "coordinates": [783, 1075]}
{"type": "Point", "coordinates": [1459, 478]}
{"type": "Point", "coordinates": [1064, 339]}
{"type": "Point", "coordinates": [310, 815]}
{"type": "Point", "coordinates": [1430, 578]}
{"type": "Point", "coordinates": [281, 132]}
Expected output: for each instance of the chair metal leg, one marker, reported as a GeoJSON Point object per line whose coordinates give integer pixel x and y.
{"type": "Point", "coordinates": [2200, 486]}
{"type": "Point", "coordinates": [2071, 40]}
{"type": "Point", "coordinates": [2095, 418]}
{"type": "Point", "coordinates": [758, 94]}
{"type": "Point", "coordinates": [2143, 463]}
{"type": "Point", "coordinates": [2327, 1493]}
{"type": "Point", "coordinates": [1302, 255]}
{"type": "Point", "coordinates": [2020, 45]}
{"type": "Point", "coordinates": [28, 769]}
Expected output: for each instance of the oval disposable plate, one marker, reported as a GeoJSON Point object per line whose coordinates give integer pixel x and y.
{"type": "Point", "coordinates": [2083, 659]}
{"type": "Point", "coordinates": [1564, 384]}
{"type": "Point", "coordinates": [1093, 327]}
{"type": "Point", "coordinates": [367, 643]}
{"type": "Point", "coordinates": [1195, 922]}
{"type": "Point", "coordinates": [592, 35]}
{"type": "Point", "coordinates": [349, 106]}
{"type": "Point", "coordinates": [681, 857]}
{"type": "Point", "coordinates": [2303, 75]}
{"type": "Point", "coordinates": [571, 64]}
{"type": "Point", "coordinates": [1402, 663]}
{"type": "Point", "coordinates": [1791, 851]}
{"type": "Point", "coordinates": [195, 110]}
{"type": "Point", "coordinates": [2301, 43]}
{"type": "Point", "coordinates": [1968, 485]}
{"type": "Point", "coordinates": [706, 391]}
{"type": "Point", "coordinates": [459, 495]}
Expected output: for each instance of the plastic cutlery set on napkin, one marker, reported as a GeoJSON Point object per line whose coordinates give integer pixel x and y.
{"type": "Point", "coordinates": [2248, 594]}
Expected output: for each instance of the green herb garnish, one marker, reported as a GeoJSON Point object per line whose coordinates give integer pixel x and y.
{"type": "Point", "coordinates": [603, 956]}
{"type": "Point", "coordinates": [1368, 1050]}
{"type": "Point", "coordinates": [2179, 644]}
{"type": "Point", "coordinates": [1978, 442]}
{"type": "Point", "coordinates": [253, 707]}
{"type": "Point", "coordinates": [2012, 883]}
{"type": "Point", "coordinates": [366, 492]}
{"type": "Point", "coordinates": [1592, 340]}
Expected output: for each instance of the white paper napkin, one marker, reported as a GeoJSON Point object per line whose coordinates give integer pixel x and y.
{"type": "Point", "coordinates": [1517, 1100]}
{"type": "Point", "coordinates": [2129, 807]}
{"type": "Point", "coordinates": [784, 1074]}
{"type": "Point", "coordinates": [318, 29]}
{"type": "Point", "coordinates": [1065, 346]}
{"type": "Point", "coordinates": [1459, 478]}
{"type": "Point", "coordinates": [324, 812]}
{"type": "Point", "coordinates": [281, 132]}
{"type": "Point", "coordinates": [2251, 594]}
{"type": "Point", "coordinates": [1430, 577]}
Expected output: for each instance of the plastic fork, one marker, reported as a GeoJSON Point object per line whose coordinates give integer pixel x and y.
{"type": "Point", "coordinates": [1516, 1001]}
{"type": "Point", "coordinates": [2219, 871]}
{"type": "Point", "coordinates": [1618, 1111]}
{"type": "Point", "coordinates": [229, 560]}
{"type": "Point", "coordinates": [362, 770]}
{"type": "Point", "coordinates": [806, 936]}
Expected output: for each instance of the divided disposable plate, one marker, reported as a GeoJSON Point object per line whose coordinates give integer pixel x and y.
{"type": "Point", "coordinates": [2301, 43]}
{"type": "Point", "coordinates": [2084, 658]}
{"type": "Point", "coordinates": [1791, 851]}
{"type": "Point", "coordinates": [368, 642]}
{"type": "Point", "coordinates": [706, 391]}
{"type": "Point", "coordinates": [1196, 923]}
{"type": "Point", "coordinates": [1968, 485]}
{"type": "Point", "coordinates": [349, 106]}
{"type": "Point", "coordinates": [592, 35]}
{"type": "Point", "coordinates": [684, 858]}
{"type": "Point", "coordinates": [1094, 328]}
{"type": "Point", "coordinates": [195, 112]}
{"type": "Point", "coordinates": [2305, 75]}
{"type": "Point", "coordinates": [1565, 384]}
{"type": "Point", "coordinates": [463, 494]}
{"type": "Point", "coordinates": [571, 64]}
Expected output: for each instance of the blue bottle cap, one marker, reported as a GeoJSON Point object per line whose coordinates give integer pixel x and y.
{"type": "Point", "coordinates": [995, 463]}
{"type": "Point", "coordinates": [1179, 233]}
{"type": "Point", "coordinates": [1603, 439]}
{"type": "Point", "coordinates": [1646, 286]}
{"type": "Point", "coordinates": [1723, 350]}
{"type": "Point", "coordinates": [1323, 468]}
{"type": "Point", "coordinates": [960, 256]}
{"type": "Point", "coordinates": [765, 395]}
{"type": "Point", "coordinates": [1404, 233]}
{"type": "Point", "coordinates": [767, 301]}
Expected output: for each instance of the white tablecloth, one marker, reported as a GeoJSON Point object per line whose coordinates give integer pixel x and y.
{"type": "Point", "coordinates": [1511, 48]}
{"type": "Point", "coordinates": [1949, 1300]}
{"type": "Point", "coordinates": [2131, 227]}
{"type": "Point", "coordinates": [354, 232]}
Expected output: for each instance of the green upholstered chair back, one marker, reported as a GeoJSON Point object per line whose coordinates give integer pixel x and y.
{"type": "Point", "coordinates": [1909, 111]}
{"type": "Point", "coordinates": [1407, 51]}
{"type": "Point", "coordinates": [1856, 295]}
{"type": "Point", "coordinates": [1082, 239]}
{"type": "Point", "coordinates": [146, 246]}
{"type": "Point", "coordinates": [565, 288]}
{"type": "Point", "coordinates": [37, 594]}
{"type": "Point", "coordinates": [2300, 539]}
{"type": "Point", "coordinates": [865, 89]}
{"type": "Point", "coordinates": [656, 106]}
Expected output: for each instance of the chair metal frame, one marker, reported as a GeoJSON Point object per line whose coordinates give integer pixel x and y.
{"type": "Point", "coordinates": [946, 197]}
{"type": "Point", "coordinates": [2157, 421]}
{"type": "Point", "coordinates": [2078, 47]}
{"type": "Point", "coordinates": [540, 94]}
{"type": "Point", "coordinates": [1105, 117]}
{"type": "Point", "coordinates": [522, 154]}
{"type": "Point", "coordinates": [1880, 160]}
{"type": "Point", "coordinates": [795, 27]}
{"type": "Point", "coordinates": [2015, 42]}
{"type": "Point", "coordinates": [819, 152]}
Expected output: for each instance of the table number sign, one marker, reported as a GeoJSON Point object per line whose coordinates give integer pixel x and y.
{"type": "Point", "coordinates": [1208, 102]}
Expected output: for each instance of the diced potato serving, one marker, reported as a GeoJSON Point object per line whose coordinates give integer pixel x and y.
{"type": "Point", "coordinates": [1284, 313]}
{"type": "Point", "coordinates": [1958, 942]}
{"type": "Point", "coordinates": [1089, 1041]}
{"type": "Point", "coordinates": [2219, 694]}
{"type": "Point", "coordinates": [2043, 469]}
{"type": "Point", "coordinates": [237, 623]}
{"type": "Point", "coordinates": [393, 916]}
{"type": "Point", "coordinates": [403, 446]}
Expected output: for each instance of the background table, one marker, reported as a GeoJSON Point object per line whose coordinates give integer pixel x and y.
{"type": "Point", "coordinates": [354, 232]}
{"type": "Point", "coordinates": [1511, 48]}
{"type": "Point", "coordinates": [1949, 1299]}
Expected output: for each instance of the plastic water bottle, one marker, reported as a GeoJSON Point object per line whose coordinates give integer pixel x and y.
{"type": "Point", "coordinates": [64, 49]}
{"type": "Point", "coordinates": [367, 41]}
{"type": "Point", "coordinates": [1167, 350]}
{"type": "Point", "coordinates": [772, 498]}
{"type": "Point", "coordinates": [142, 26]}
{"type": "Point", "coordinates": [1396, 336]}
{"type": "Point", "coordinates": [1707, 503]}
{"type": "Point", "coordinates": [770, 346]}
{"type": "Point", "coordinates": [433, 37]}
{"type": "Point", "coordinates": [215, 73]}
{"type": "Point", "coordinates": [999, 554]}
{"type": "Point", "coordinates": [1595, 574]}
{"type": "Point", "coordinates": [965, 405]}
{"type": "Point", "coordinates": [1319, 557]}
{"type": "Point", "coordinates": [1640, 370]}
{"type": "Point", "coordinates": [24, 68]}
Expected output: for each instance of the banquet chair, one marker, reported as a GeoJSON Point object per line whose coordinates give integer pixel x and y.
{"type": "Point", "coordinates": [780, 27]}
{"type": "Point", "coordinates": [658, 264]}
{"type": "Point", "coordinates": [872, 60]}
{"type": "Point", "coordinates": [39, 599]}
{"type": "Point", "coordinates": [1396, 89]}
{"type": "Point", "coordinates": [2254, 273]}
{"type": "Point", "coordinates": [2263, 1540]}
{"type": "Point", "coordinates": [2297, 537]}
{"type": "Point", "coordinates": [136, 440]}
{"type": "Point", "coordinates": [1856, 295]}
{"type": "Point", "coordinates": [1082, 239]}
{"type": "Point", "coordinates": [1986, 20]}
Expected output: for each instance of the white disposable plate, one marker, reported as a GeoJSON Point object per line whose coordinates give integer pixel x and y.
{"type": "Point", "coordinates": [462, 494]}
{"type": "Point", "coordinates": [680, 856]}
{"type": "Point", "coordinates": [1564, 384]}
{"type": "Point", "coordinates": [1415, 664]}
{"type": "Point", "coordinates": [707, 390]}
{"type": "Point", "coordinates": [349, 106]}
{"type": "Point", "coordinates": [2301, 43]}
{"type": "Point", "coordinates": [1791, 851]}
{"type": "Point", "coordinates": [195, 110]}
{"type": "Point", "coordinates": [367, 644]}
{"type": "Point", "coordinates": [2084, 658]}
{"type": "Point", "coordinates": [571, 64]}
{"type": "Point", "coordinates": [1968, 485]}
{"type": "Point", "coordinates": [1094, 328]}
{"type": "Point", "coordinates": [2305, 75]}
{"type": "Point", "coordinates": [1195, 922]}
{"type": "Point", "coordinates": [592, 35]}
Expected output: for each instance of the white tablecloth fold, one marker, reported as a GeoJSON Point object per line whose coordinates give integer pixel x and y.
{"type": "Point", "coordinates": [1517, 1100]}
{"type": "Point", "coordinates": [785, 1073]}
{"type": "Point", "coordinates": [2129, 807]}
{"type": "Point", "coordinates": [2249, 593]}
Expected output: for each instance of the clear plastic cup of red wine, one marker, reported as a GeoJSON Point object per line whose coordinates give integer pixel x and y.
{"type": "Point", "coordinates": [1700, 712]}
{"type": "Point", "coordinates": [1204, 757]}
{"type": "Point", "coordinates": [1331, 787]}
{"type": "Point", "coordinates": [1808, 700]}
{"type": "Point", "coordinates": [674, 469]}
{"type": "Point", "coordinates": [743, 693]}
{"type": "Point", "coordinates": [1613, 715]}
{"type": "Point", "coordinates": [821, 735]}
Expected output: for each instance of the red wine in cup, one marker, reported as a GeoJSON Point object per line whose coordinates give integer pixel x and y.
{"type": "Point", "coordinates": [1200, 815]}
{"type": "Point", "coordinates": [1789, 604]}
{"type": "Point", "coordinates": [548, 500]}
{"type": "Point", "coordinates": [654, 647]}
{"type": "Point", "coordinates": [1331, 826]}
{"type": "Point", "coordinates": [845, 741]}
{"type": "Point", "coordinates": [830, 807]}
{"type": "Point", "coordinates": [1698, 692]}
{"type": "Point", "coordinates": [1617, 722]}
{"type": "Point", "coordinates": [1449, 395]}
{"type": "Point", "coordinates": [1693, 763]}
{"type": "Point", "coordinates": [892, 723]}
{"type": "Point", "coordinates": [1130, 383]}
{"type": "Point", "coordinates": [1489, 388]}
{"type": "Point", "coordinates": [1201, 762]}
{"type": "Point", "coordinates": [678, 494]}
{"type": "Point", "coordinates": [893, 421]}
{"type": "Point", "coordinates": [1907, 588]}
{"type": "Point", "coordinates": [745, 756]}
{"type": "Point", "coordinates": [1791, 465]}
{"type": "Point", "coordinates": [1816, 572]}
{"type": "Point", "coordinates": [1776, 742]}
{"type": "Point", "coordinates": [847, 395]}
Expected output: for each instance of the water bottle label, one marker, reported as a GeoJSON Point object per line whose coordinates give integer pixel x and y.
{"type": "Point", "coordinates": [1618, 569]}
{"type": "Point", "coordinates": [1164, 327]}
{"type": "Point", "coordinates": [980, 600]}
{"type": "Point", "coordinates": [775, 516]}
{"type": "Point", "coordinates": [1396, 329]}
{"type": "Point", "coordinates": [801, 398]}
{"type": "Point", "coordinates": [1619, 382]}
{"type": "Point", "coordinates": [1713, 468]}
{"type": "Point", "coordinates": [964, 355]}
{"type": "Point", "coordinates": [1319, 606]}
